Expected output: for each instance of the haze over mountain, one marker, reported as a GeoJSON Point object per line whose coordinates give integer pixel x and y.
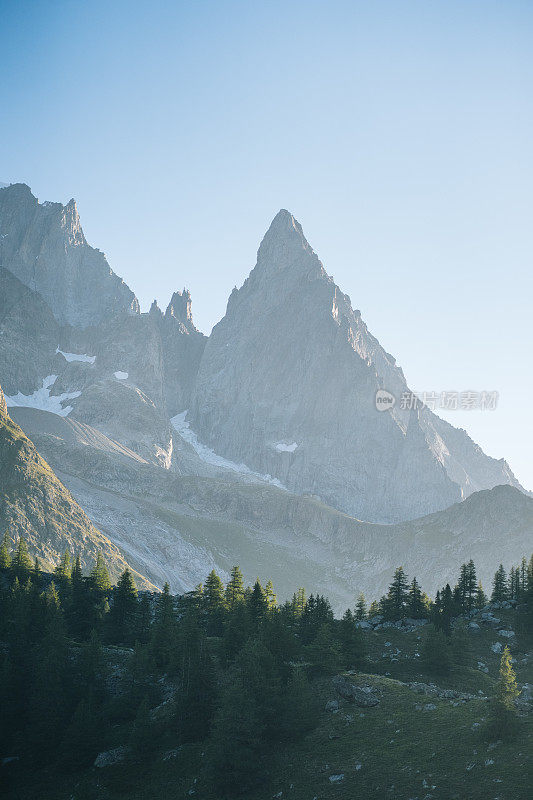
{"type": "Point", "coordinates": [191, 453]}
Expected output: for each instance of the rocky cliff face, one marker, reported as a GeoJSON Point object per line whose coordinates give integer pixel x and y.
{"type": "Point", "coordinates": [287, 384]}
{"type": "Point", "coordinates": [36, 505]}
{"type": "Point", "coordinates": [43, 245]}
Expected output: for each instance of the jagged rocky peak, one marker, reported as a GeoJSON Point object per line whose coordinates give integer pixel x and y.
{"type": "Point", "coordinates": [287, 385]}
{"type": "Point", "coordinates": [155, 310]}
{"type": "Point", "coordinates": [43, 245]}
{"type": "Point", "coordinates": [180, 307]}
{"type": "Point", "coordinates": [284, 245]}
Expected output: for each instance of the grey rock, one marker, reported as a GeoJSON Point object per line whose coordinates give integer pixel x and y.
{"type": "Point", "coordinates": [44, 247]}
{"type": "Point", "coordinates": [109, 758]}
{"type": "Point", "coordinates": [364, 697]}
{"type": "Point", "coordinates": [497, 647]}
{"type": "Point", "coordinates": [336, 778]}
{"type": "Point", "coordinates": [333, 706]}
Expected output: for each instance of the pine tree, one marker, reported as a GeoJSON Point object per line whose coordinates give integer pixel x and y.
{"type": "Point", "coordinates": [417, 602]}
{"type": "Point", "coordinates": [123, 614]}
{"type": "Point", "coordinates": [499, 586]}
{"type": "Point", "coordinates": [100, 576]}
{"type": "Point", "coordinates": [194, 706]}
{"type": "Point", "coordinates": [396, 604]}
{"type": "Point", "coordinates": [481, 598]}
{"type": "Point", "coordinates": [164, 633]}
{"type": "Point", "coordinates": [374, 609]}
{"type": "Point", "coordinates": [235, 587]}
{"type": "Point", "coordinates": [271, 597]}
{"type": "Point", "coordinates": [247, 719]}
{"type": "Point", "coordinates": [444, 609]}
{"type": "Point", "coordinates": [22, 563]}
{"type": "Point", "coordinates": [5, 555]}
{"type": "Point", "coordinates": [467, 586]}
{"type": "Point", "coordinates": [214, 603]}
{"type": "Point", "coordinates": [63, 571]}
{"type": "Point", "coordinates": [523, 578]}
{"type": "Point", "coordinates": [257, 604]}
{"type": "Point", "coordinates": [301, 711]}
{"type": "Point", "coordinates": [298, 602]}
{"type": "Point", "coordinates": [323, 652]}
{"type": "Point", "coordinates": [360, 608]}
{"type": "Point", "coordinates": [503, 721]}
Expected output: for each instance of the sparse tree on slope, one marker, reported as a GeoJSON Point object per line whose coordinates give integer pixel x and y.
{"type": "Point", "coordinates": [503, 718]}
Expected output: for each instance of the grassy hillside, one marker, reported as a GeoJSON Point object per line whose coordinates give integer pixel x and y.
{"type": "Point", "coordinates": [36, 505]}
{"type": "Point", "coordinates": [411, 745]}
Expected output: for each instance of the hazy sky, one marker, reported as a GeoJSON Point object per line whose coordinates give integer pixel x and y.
{"type": "Point", "coordinates": [399, 134]}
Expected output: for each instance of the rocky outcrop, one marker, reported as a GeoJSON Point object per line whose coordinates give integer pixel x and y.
{"type": "Point", "coordinates": [36, 505]}
{"type": "Point", "coordinates": [287, 384]}
{"type": "Point", "coordinates": [362, 696]}
{"type": "Point", "coordinates": [43, 245]}
{"type": "Point", "coordinates": [3, 404]}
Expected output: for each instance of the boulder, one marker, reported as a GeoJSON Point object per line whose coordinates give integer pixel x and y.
{"type": "Point", "coordinates": [110, 757]}
{"type": "Point", "coordinates": [333, 706]}
{"type": "Point", "coordinates": [362, 696]}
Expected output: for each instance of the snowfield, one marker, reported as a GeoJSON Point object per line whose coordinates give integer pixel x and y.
{"type": "Point", "coordinates": [43, 400]}
{"type": "Point", "coordinates": [77, 356]}
{"type": "Point", "coordinates": [121, 376]}
{"type": "Point", "coordinates": [180, 424]}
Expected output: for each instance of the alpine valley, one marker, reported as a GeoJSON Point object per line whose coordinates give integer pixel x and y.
{"type": "Point", "coordinates": [176, 453]}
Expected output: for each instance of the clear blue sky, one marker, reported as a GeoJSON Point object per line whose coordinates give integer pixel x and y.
{"type": "Point", "coordinates": [399, 134]}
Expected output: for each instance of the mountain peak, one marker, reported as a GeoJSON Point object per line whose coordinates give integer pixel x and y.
{"type": "Point", "coordinates": [180, 307]}
{"type": "Point", "coordinates": [284, 245]}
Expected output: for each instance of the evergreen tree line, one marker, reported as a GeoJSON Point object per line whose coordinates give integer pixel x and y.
{"type": "Point", "coordinates": [406, 599]}
{"type": "Point", "coordinates": [238, 665]}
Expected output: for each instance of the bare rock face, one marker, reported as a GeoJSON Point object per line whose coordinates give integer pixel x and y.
{"type": "Point", "coordinates": [287, 384]}
{"type": "Point", "coordinates": [44, 247]}
{"type": "Point", "coordinates": [3, 404]}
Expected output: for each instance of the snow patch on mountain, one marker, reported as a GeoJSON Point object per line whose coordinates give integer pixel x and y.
{"type": "Point", "coordinates": [285, 447]}
{"type": "Point", "coordinates": [77, 356]}
{"type": "Point", "coordinates": [121, 376]}
{"type": "Point", "coordinates": [43, 400]}
{"type": "Point", "coordinates": [180, 424]}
